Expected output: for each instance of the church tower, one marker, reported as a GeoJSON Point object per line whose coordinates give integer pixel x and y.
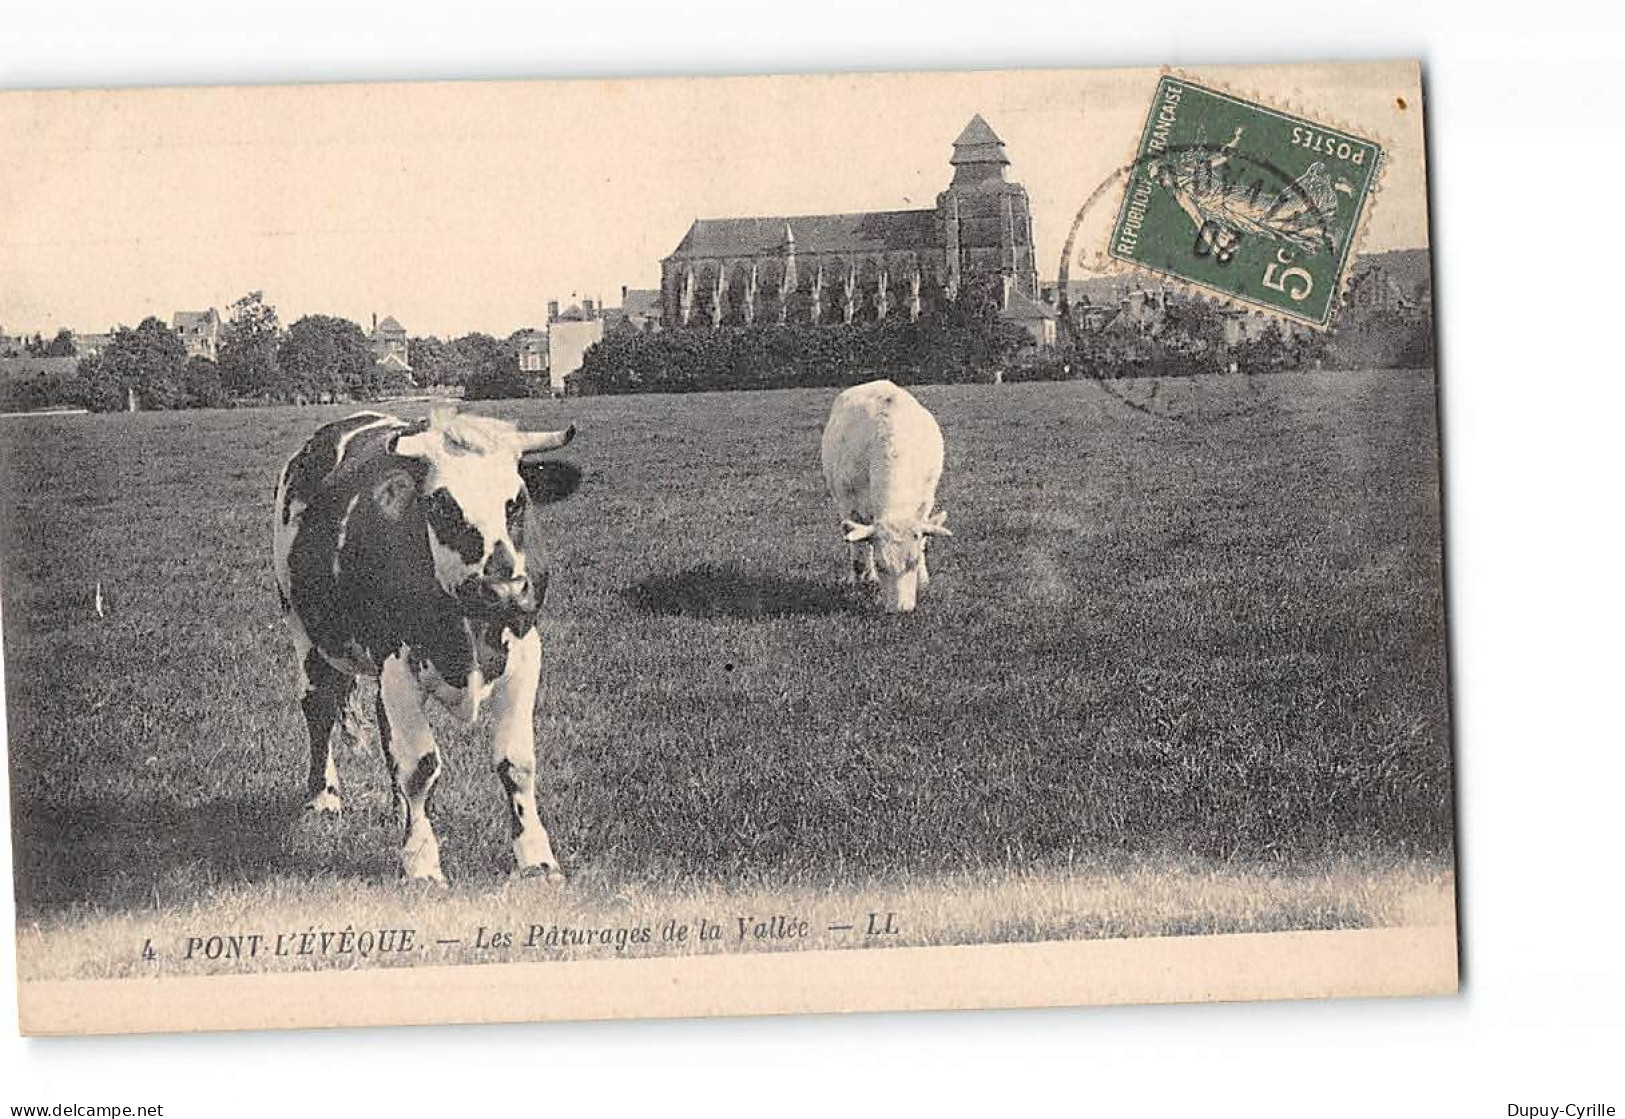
{"type": "Point", "coordinates": [985, 221]}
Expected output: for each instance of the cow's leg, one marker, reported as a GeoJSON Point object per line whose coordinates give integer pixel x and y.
{"type": "Point", "coordinates": [925, 572]}
{"type": "Point", "coordinates": [854, 571]}
{"type": "Point", "coordinates": [397, 796]}
{"type": "Point", "coordinates": [514, 750]}
{"type": "Point", "coordinates": [416, 759]}
{"type": "Point", "coordinates": [325, 691]}
{"type": "Point", "coordinates": [861, 553]}
{"type": "Point", "coordinates": [352, 720]}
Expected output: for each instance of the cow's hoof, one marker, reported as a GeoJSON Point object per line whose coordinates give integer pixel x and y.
{"type": "Point", "coordinates": [422, 864]}
{"type": "Point", "coordinates": [430, 878]}
{"type": "Point", "coordinates": [325, 803]}
{"type": "Point", "coordinates": [552, 874]}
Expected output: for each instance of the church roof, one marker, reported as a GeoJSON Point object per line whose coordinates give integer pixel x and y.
{"type": "Point", "coordinates": [978, 143]}
{"type": "Point", "coordinates": [879, 231]}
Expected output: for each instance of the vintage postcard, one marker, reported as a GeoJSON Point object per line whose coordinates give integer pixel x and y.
{"type": "Point", "coordinates": [483, 552]}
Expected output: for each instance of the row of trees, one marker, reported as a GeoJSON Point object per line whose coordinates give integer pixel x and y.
{"type": "Point", "coordinates": [317, 358]}
{"type": "Point", "coordinates": [321, 357]}
{"type": "Point", "coordinates": [959, 343]}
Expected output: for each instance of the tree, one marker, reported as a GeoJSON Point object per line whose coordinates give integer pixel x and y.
{"type": "Point", "coordinates": [97, 392]}
{"type": "Point", "coordinates": [44, 388]}
{"type": "Point", "coordinates": [201, 386]}
{"type": "Point", "coordinates": [388, 380]}
{"type": "Point", "coordinates": [1193, 328]}
{"type": "Point", "coordinates": [143, 365]}
{"type": "Point", "coordinates": [248, 344]}
{"type": "Point", "coordinates": [434, 362]}
{"type": "Point", "coordinates": [493, 369]}
{"type": "Point", "coordinates": [322, 357]}
{"type": "Point", "coordinates": [62, 345]}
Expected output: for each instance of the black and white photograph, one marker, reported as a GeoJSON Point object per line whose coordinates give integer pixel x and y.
{"type": "Point", "coordinates": [790, 531]}
{"type": "Point", "coordinates": [853, 560]}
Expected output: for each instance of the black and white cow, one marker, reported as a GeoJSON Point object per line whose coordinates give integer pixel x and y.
{"type": "Point", "coordinates": [406, 551]}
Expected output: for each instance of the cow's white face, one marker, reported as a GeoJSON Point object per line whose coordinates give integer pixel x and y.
{"type": "Point", "coordinates": [475, 503]}
{"type": "Point", "coordinates": [899, 548]}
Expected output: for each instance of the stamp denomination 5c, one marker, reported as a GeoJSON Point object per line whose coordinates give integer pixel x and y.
{"type": "Point", "coordinates": [1255, 204]}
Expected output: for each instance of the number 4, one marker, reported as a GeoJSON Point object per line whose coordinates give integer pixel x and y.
{"type": "Point", "coordinates": [1278, 283]}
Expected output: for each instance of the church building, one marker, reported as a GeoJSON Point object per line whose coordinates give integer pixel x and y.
{"type": "Point", "coordinates": [864, 267]}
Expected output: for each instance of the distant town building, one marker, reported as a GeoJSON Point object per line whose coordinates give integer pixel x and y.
{"type": "Point", "coordinates": [570, 334]}
{"type": "Point", "coordinates": [91, 345]}
{"type": "Point", "coordinates": [1397, 281]}
{"type": "Point", "coordinates": [1119, 303]}
{"type": "Point", "coordinates": [1113, 302]}
{"type": "Point", "coordinates": [833, 268]}
{"type": "Point", "coordinates": [1092, 290]}
{"type": "Point", "coordinates": [1036, 318]}
{"type": "Point", "coordinates": [199, 331]}
{"type": "Point", "coordinates": [568, 342]}
{"type": "Point", "coordinates": [640, 308]}
{"type": "Point", "coordinates": [389, 345]}
{"type": "Point", "coordinates": [533, 350]}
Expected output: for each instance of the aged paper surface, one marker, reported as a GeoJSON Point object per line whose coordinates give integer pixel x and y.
{"type": "Point", "coordinates": [815, 543]}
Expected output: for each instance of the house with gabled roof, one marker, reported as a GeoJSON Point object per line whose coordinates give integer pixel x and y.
{"type": "Point", "coordinates": [641, 309]}
{"type": "Point", "coordinates": [199, 331]}
{"type": "Point", "coordinates": [1034, 316]}
{"type": "Point", "coordinates": [389, 343]}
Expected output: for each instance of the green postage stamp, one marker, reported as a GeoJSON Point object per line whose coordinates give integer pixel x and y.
{"type": "Point", "coordinates": [1255, 204]}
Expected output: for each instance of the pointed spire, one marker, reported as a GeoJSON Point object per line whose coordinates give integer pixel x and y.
{"type": "Point", "coordinates": [978, 131]}
{"type": "Point", "coordinates": [978, 143]}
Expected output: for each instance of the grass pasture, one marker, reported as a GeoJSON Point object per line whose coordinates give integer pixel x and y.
{"type": "Point", "coordinates": [1180, 669]}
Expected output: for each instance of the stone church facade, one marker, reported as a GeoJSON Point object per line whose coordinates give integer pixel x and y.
{"type": "Point", "coordinates": [865, 267]}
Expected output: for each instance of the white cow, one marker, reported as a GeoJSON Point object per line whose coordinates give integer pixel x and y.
{"type": "Point", "coordinates": [882, 460]}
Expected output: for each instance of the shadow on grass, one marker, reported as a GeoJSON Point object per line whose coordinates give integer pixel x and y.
{"type": "Point", "coordinates": [549, 480]}
{"type": "Point", "coordinates": [718, 591]}
{"type": "Point", "coordinates": [128, 856]}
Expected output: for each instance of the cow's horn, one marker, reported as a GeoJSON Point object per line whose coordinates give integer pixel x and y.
{"type": "Point", "coordinates": [534, 442]}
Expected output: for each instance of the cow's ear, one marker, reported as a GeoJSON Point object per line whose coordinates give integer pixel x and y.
{"type": "Point", "coordinates": [936, 525]}
{"type": "Point", "coordinates": [856, 531]}
{"type": "Point", "coordinates": [394, 494]}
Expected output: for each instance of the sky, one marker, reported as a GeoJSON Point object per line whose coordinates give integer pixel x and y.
{"type": "Point", "coordinates": [467, 206]}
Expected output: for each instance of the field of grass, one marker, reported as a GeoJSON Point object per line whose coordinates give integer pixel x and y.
{"type": "Point", "coordinates": [1181, 668]}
